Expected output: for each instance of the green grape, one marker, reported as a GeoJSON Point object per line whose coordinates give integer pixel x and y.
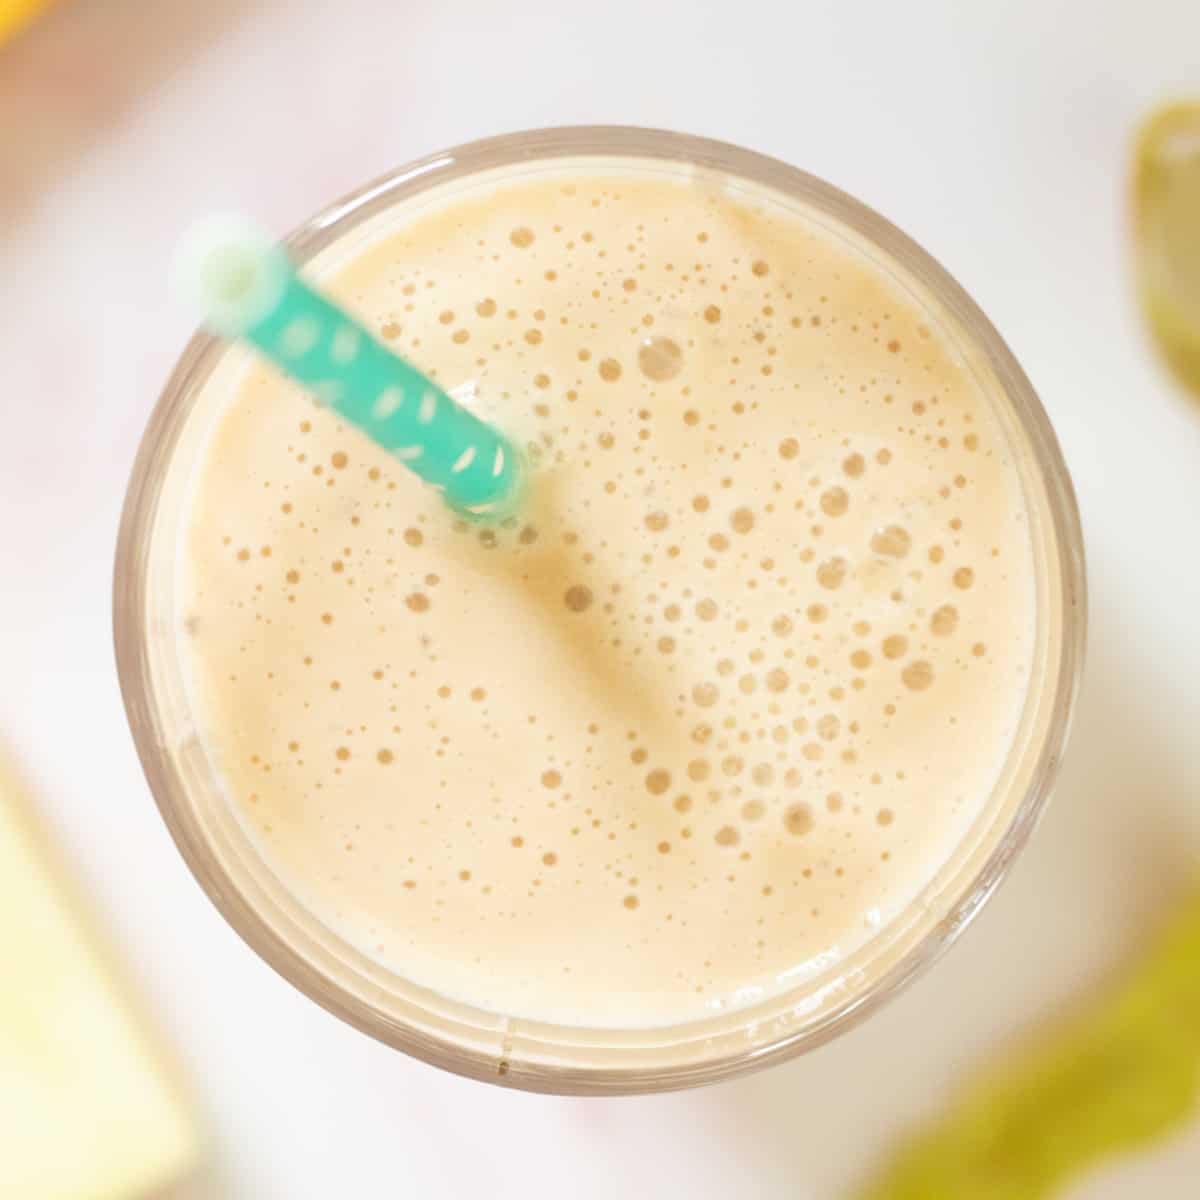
{"type": "Point", "coordinates": [1167, 234]}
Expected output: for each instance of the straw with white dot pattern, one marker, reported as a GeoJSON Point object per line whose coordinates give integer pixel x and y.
{"type": "Point", "coordinates": [247, 288]}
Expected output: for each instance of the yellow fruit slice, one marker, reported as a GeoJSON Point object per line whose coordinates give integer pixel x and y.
{"type": "Point", "coordinates": [1119, 1077]}
{"type": "Point", "coordinates": [1167, 233]}
{"type": "Point", "coordinates": [87, 1110]}
{"type": "Point", "coordinates": [15, 13]}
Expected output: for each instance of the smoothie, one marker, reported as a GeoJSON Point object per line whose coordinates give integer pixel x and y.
{"type": "Point", "coordinates": [726, 696]}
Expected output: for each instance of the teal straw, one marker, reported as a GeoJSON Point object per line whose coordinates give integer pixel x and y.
{"type": "Point", "coordinates": [248, 289]}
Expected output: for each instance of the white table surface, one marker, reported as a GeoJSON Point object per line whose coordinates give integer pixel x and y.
{"type": "Point", "coordinates": [997, 134]}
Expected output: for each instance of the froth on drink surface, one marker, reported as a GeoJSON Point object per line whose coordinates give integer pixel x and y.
{"type": "Point", "coordinates": [717, 706]}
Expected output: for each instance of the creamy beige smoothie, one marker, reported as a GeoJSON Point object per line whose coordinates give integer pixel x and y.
{"type": "Point", "coordinates": [720, 703]}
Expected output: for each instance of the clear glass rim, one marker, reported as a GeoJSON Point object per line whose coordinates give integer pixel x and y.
{"type": "Point", "coordinates": [640, 1070]}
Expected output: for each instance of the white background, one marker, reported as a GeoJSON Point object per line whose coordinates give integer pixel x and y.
{"type": "Point", "coordinates": [998, 134]}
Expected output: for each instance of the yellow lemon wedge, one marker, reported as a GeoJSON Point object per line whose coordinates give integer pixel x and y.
{"type": "Point", "coordinates": [1167, 234]}
{"type": "Point", "coordinates": [1125, 1073]}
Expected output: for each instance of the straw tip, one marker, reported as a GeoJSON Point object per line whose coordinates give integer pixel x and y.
{"type": "Point", "coordinates": [230, 271]}
{"type": "Point", "coordinates": [509, 497]}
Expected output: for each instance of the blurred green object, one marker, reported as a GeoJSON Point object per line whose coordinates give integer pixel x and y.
{"type": "Point", "coordinates": [1122, 1075]}
{"type": "Point", "coordinates": [1167, 234]}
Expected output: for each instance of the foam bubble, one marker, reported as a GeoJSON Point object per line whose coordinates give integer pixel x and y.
{"type": "Point", "coordinates": [917, 675]}
{"type": "Point", "coordinates": [832, 573]}
{"type": "Point", "coordinates": [798, 820]}
{"type": "Point", "coordinates": [660, 359]}
{"type": "Point", "coordinates": [835, 501]}
{"type": "Point", "coordinates": [578, 598]}
{"type": "Point", "coordinates": [892, 541]}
